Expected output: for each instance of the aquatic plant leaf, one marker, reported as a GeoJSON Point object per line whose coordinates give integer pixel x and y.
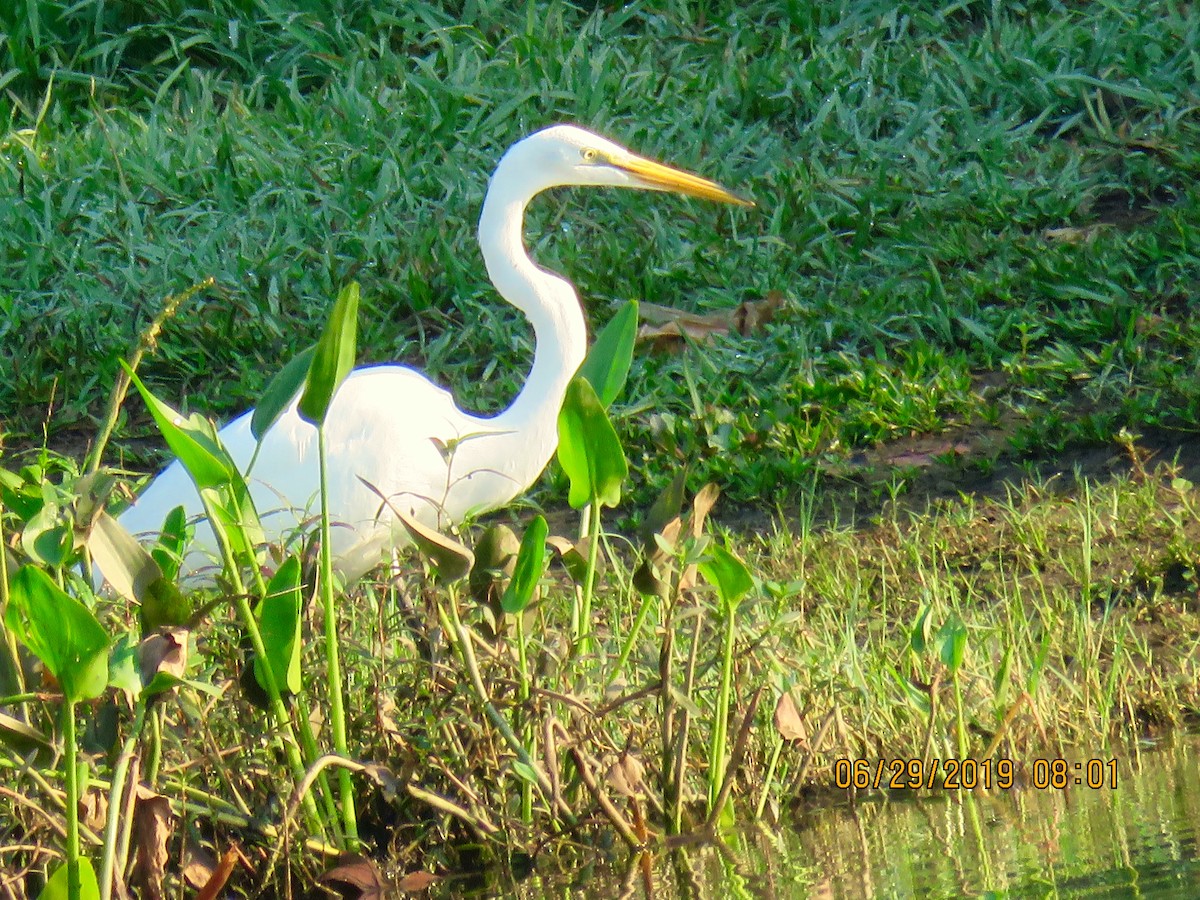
{"type": "Point", "coordinates": [452, 560]}
{"type": "Point", "coordinates": [607, 364]}
{"type": "Point", "coordinates": [589, 449]}
{"type": "Point", "coordinates": [57, 889]}
{"type": "Point", "coordinates": [333, 358]}
{"type": "Point", "coordinates": [279, 618]}
{"type": "Point", "coordinates": [531, 562]}
{"type": "Point", "coordinates": [60, 631]}
{"type": "Point", "coordinates": [952, 643]}
{"type": "Point", "coordinates": [126, 564]}
{"type": "Point", "coordinates": [168, 549]}
{"type": "Point", "coordinates": [728, 574]}
{"type": "Point", "coordinates": [192, 439]}
{"type": "Point", "coordinates": [280, 391]}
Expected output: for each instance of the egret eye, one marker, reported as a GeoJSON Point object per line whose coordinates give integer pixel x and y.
{"type": "Point", "coordinates": [589, 154]}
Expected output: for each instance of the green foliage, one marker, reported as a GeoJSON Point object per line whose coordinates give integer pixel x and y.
{"type": "Point", "coordinates": [531, 563]}
{"type": "Point", "coordinates": [280, 617]}
{"type": "Point", "coordinates": [611, 354]}
{"type": "Point", "coordinates": [589, 449]}
{"type": "Point", "coordinates": [60, 631]}
{"type": "Point", "coordinates": [333, 358]}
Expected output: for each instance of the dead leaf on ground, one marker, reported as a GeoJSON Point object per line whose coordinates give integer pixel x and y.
{"type": "Point", "coordinates": [220, 873]}
{"type": "Point", "coordinates": [152, 825]}
{"type": "Point", "coordinates": [668, 329]}
{"type": "Point", "coordinates": [356, 877]}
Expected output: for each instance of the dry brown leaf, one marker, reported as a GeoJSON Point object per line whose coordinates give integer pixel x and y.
{"type": "Point", "coordinates": [166, 651]}
{"type": "Point", "coordinates": [220, 875]}
{"type": "Point", "coordinates": [666, 328]}
{"type": "Point", "coordinates": [625, 776]}
{"type": "Point", "coordinates": [356, 877]}
{"type": "Point", "coordinates": [198, 863]}
{"type": "Point", "coordinates": [1073, 234]}
{"type": "Point", "coordinates": [417, 881]}
{"type": "Point", "coordinates": [788, 721]}
{"type": "Point", "coordinates": [152, 826]}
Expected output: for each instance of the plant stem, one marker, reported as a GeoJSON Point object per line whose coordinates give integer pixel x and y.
{"type": "Point", "coordinates": [337, 711]}
{"type": "Point", "coordinates": [716, 763]}
{"type": "Point", "coordinates": [71, 779]}
{"type": "Point", "coordinates": [589, 578]}
{"type": "Point", "coordinates": [115, 790]}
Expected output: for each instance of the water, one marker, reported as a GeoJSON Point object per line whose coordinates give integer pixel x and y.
{"type": "Point", "coordinates": [1137, 840]}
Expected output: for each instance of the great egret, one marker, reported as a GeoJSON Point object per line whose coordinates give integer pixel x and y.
{"type": "Point", "coordinates": [390, 426]}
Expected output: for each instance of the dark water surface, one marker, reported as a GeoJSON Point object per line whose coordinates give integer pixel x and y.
{"type": "Point", "coordinates": [1139, 839]}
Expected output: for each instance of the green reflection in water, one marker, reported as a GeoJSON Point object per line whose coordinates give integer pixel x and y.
{"type": "Point", "coordinates": [1139, 840]}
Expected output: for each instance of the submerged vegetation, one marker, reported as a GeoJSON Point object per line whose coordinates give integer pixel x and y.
{"type": "Point", "coordinates": [942, 505]}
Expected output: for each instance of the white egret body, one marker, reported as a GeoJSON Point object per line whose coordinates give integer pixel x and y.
{"type": "Point", "coordinates": [390, 426]}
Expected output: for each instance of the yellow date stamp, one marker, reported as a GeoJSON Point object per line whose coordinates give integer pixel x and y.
{"type": "Point", "coordinates": [969, 774]}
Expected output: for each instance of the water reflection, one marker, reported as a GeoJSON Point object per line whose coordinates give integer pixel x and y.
{"type": "Point", "coordinates": [1139, 840]}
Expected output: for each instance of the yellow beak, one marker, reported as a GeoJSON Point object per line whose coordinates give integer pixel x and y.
{"type": "Point", "coordinates": [664, 178]}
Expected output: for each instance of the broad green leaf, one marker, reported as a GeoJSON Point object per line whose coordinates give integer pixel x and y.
{"type": "Point", "coordinates": [124, 671]}
{"type": "Point", "coordinates": [531, 562]}
{"type": "Point", "coordinates": [333, 358]}
{"type": "Point", "coordinates": [280, 391]}
{"type": "Point", "coordinates": [588, 448]}
{"type": "Point", "coordinates": [607, 364]}
{"type": "Point", "coordinates": [952, 642]}
{"type": "Point", "coordinates": [728, 574]}
{"type": "Point", "coordinates": [193, 440]}
{"type": "Point", "coordinates": [45, 539]}
{"type": "Point", "coordinates": [57, 888]}
{"type": "Point", "coordinates": [60, 631]}
{"type": "Point", "coordinates": [279, 618]}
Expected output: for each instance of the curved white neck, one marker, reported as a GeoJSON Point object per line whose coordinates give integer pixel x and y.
{"type": "Point", "coordinates": [552, 307]}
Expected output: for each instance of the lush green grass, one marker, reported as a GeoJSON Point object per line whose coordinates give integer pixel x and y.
{"type": "Point", "coordinates": [908, 163]}
{"type": "Point", "coordinates": [982, 218]}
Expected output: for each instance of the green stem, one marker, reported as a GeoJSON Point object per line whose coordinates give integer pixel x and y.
{"type": "Point", "coordinates": [589, 578]}
{"type": "Point", "coordinates": [241, 601]}
{"type": "Point", "coordinates": [720, 726]}
{"type": "Point", "coordinates": [337, 711]}
{"type": "Point", "coordinates": [115, 790]}
{"type": "Point", "coordinates": [71, 773]}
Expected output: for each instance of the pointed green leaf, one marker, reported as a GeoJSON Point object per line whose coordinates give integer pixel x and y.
{"type": "Point", "coordinates": [531, 562]}
{"type": "Point", "coordinates": [60, 631]}
{"type": "Point", "coordinates": [333, 358]}
{"type": "Point", "coordinates": [607, 364]}
{"type": "Point", "coordinates": [279, 618]}
{"type": "Point", "coordinates": [192, 439]}
{"type": "Point", "coordinates": [280, 391]}
{"type": "Point", "coordinates": [588, 448]}
{"type": "Point", "coordinates": [728, 574]}
{"type": "Point", "coordinates": [952, 642]}
{"type": "Point", "coordinates": [918, 636]}
{"type": "Point", "coordinates": [168, 549]}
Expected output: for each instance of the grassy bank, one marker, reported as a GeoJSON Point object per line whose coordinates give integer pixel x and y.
{"type": "Point", "coordinates": [958, 460]}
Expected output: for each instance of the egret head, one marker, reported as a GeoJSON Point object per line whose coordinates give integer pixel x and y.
{"type": "Point", "coordinates": [563, 155]}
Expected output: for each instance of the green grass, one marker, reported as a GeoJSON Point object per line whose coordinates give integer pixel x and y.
{"type": "Point", "coordinates": [908, 165]}
{"type": "Point", "coordinates": [982, 218]}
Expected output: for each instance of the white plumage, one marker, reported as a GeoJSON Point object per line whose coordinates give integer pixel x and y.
{"type": "Point", "coordinates": [390, 426]}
